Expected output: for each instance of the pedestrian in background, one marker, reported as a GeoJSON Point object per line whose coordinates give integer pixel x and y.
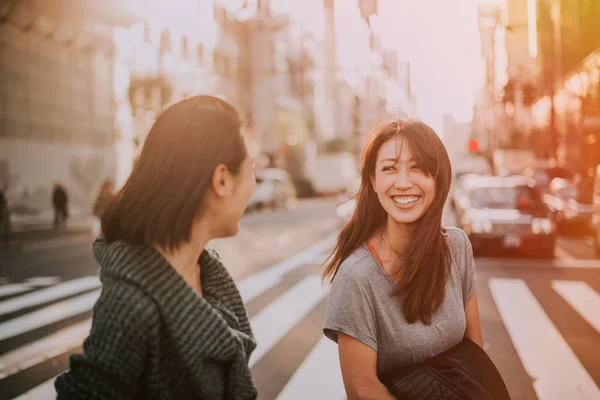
{"type": "Point", "coordinates": [5, 224]}
{"type": "Point", "coordinates": [105, 197]}
{"type": "Point", "coordinates": [60, 203]}
{"type": "Point", "coordinates": [402, 285]}
{"type": "Point", "coordinates": [170, 322]}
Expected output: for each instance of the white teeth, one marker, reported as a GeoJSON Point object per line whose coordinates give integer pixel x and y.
{"type": "Point", "coordinates": [405, 200]}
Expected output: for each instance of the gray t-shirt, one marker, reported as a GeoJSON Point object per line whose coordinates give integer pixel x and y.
{"type": "Point", "coordinates": [361, 305]}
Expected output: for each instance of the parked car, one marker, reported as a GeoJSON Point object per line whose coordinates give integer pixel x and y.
{"type": "Point", "coordinates": [274, 188]}
{"type": "Point", "coordinates": [505, 214]}
{"type": "Point", "coordinates": [570, 203]}
{"type": "Point", "coordinates": [458, 185]}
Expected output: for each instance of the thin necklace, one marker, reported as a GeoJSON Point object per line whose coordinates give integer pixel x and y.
{"type": "Point", "coordinates": [398, 254]}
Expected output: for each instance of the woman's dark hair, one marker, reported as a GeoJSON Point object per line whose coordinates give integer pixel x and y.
{"type": "Point", "coordinates": [428, 261]}
{"type": "Point", "coordinates": [164, 193]}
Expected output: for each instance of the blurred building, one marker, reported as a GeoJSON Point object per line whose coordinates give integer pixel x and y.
{"type": "Point", "coordinates": [57, 114]}
{"type": "Point", "coordinates": [509, 46]}
{"type": "Point", "coordinates": [456, 137]}
{"type": "Point", "coordinates": [82, 82]}
{"type": "Point", "coordinates": [180, 52]}
{"type": "Point", "coordinates": [566, 109]}
{"type": "Point", "coordinates": [489, 122]}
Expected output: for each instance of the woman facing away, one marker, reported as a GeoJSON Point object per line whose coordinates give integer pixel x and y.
{"type": "Point", "coordinates": [170, 322]}
{"type": "Point", "coordinates": [402, 286]}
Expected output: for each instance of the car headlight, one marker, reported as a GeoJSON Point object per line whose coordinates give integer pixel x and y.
{"type": "Point", "coordinates": [541, 226]}
{"type": "Point", "coordinates": [483, 226]}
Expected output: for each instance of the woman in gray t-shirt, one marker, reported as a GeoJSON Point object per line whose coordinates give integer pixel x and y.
{"type": "Point", "coordinates": [402, 286]}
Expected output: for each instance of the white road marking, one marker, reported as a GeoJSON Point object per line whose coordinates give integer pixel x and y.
{"type": "Point", "coordinates": [279, 317]}
{"type": "Point", "coordinates": [48, 315]}
{"type": "Point", "coordinates": [256, 284]}
{"type": "Point", "coordinates": [14, 288]}
{"type": "Point", "coordinates": [44, 391]}
{"type": "Point", "coordinates": [556, 371]}
{"type": "Point", "coordinates": [44, 349]}
{"type": "Point", "coordinates": [43, 280]}
{"type": "Point", "coordinates": [50, 294]}
{"type": "Point", "coordinates": [485, 262]}
{"type": "Point", "coordinates": [582, 298]}
{"type": "Point", "coordinates": [318, 377]}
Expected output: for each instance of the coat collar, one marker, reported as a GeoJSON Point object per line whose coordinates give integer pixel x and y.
{"type": "Point", "coordinates": [213, 326]}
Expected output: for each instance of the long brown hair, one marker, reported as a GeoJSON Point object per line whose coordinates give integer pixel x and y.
{"type": "Point", "coordinates": [428, 261]}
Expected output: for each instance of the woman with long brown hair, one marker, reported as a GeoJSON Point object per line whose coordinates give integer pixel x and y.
{"type": "Point", "coordinates": [402, 285]}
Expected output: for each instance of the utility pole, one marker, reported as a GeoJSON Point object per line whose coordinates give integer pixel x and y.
{"type": "Point", "coordinates": [556, 42]}
{"type": "Point", "coordinates": [330, 69]}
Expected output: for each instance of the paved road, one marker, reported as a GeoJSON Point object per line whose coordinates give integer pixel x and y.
{"type": "Point", "coordinates": [540, 318]}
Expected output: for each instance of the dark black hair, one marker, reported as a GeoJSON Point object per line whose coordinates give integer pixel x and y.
{"type": "Point", "coordinates": [164, 193]}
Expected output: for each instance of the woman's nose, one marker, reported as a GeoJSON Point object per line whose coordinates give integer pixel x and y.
{"type": "Point", "coordinates": [403, 182]}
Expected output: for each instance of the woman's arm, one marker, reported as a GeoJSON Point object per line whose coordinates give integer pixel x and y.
{"type": "Point", "coordinates": [359, 370]}
{"type": "Point", "coordinates": [473, 331]}
{"type": "Point", "coordinates": [115, 352]}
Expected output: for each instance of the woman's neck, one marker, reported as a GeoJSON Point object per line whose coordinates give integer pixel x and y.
{"type": "Point", "coordinates": [399, 236]}
{"type": "Point", "coordinates": [185, 259]}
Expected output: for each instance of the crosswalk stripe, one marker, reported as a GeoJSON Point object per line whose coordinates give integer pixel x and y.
{"type": "Point", "coordinates": [49, 294]}
{"type": "Point", "coordinates": [48, 315]}
{"type": "Point", "coordinates": [44, 349]}
{"type": "Point", "coordinates": [256, 284]}
{"type": "Point", "coordinates": [318, 377]}
{"type": "Point", "coordinates": [546, 356]}
{"type": "Point", "coordinates": [43, 280]}
{"type": "Point", "coordinates": [253, 286]}
{"type": "Point", "coordinates": [274, 321]}
{"type": "Point", "coordinates": [524, 263]}
{"type": "Point", "coordinates": [582, 298]}
{"type": "Point", "coordinates": [44, 391]}
{"type": "Point", "coordinates": [15, 288]}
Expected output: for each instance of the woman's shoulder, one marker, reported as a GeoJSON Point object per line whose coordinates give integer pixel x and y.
{"type": "Point", "coordinates": [358, 264]}
{"type": "Point", "coordinates": [457, 236]}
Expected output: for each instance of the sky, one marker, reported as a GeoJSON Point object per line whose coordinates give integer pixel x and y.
{"type": "Point", "coordinates": [440, 39]}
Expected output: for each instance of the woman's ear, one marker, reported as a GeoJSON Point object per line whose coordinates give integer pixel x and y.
{"type": "Point", "coordinates": [222, 181]}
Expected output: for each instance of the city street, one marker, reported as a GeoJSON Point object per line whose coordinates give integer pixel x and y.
{"type": "Point", "coordinates": [540, 319]}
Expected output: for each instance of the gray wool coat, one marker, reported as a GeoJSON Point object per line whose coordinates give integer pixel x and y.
{"type": "Point", "coordinates": [154, 337]}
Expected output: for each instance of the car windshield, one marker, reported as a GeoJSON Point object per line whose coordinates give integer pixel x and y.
{"type": "Point", "coordinates": [506, 197]}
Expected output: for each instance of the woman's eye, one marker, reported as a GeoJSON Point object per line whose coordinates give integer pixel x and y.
{"type": "Point", "coordinates": [416, 167]}
{"type": "Point", "coordinates": [384, 169]}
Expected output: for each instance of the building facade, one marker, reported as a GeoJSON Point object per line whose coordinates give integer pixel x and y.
{"type": "Point", "coordinates": [57, 112]}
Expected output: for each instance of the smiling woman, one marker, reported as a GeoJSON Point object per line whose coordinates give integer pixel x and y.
{"type": "Point", "coordinates": [406, 177]}
{"type": "Point", "coordinates": [402, 285]}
